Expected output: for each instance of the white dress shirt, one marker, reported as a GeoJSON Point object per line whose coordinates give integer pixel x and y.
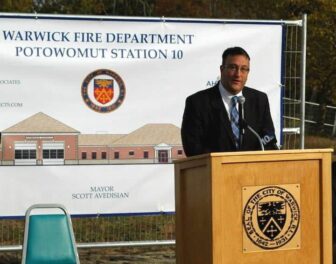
{"type": "Point", "coordinates": [226, 98]}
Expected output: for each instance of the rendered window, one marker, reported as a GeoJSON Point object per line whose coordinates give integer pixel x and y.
{"type": "Point", "coordinates": [163, 156]}
{"type": "Point", "coordinates": [53, 154]}
{"type": "Point", "coordinates": [25, 154]}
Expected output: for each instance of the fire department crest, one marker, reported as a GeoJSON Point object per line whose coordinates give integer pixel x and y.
{"type": "Point", "coordinates": [271, 217]}
{"type": "Point", "coordinates": [103, 91]}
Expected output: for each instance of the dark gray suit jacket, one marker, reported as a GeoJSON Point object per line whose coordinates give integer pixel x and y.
{"type": "Point", "coordinates": [206, 126]}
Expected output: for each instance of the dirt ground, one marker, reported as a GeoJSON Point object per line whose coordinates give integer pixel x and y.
{"type": "Point", "coordinates": [138, 255]}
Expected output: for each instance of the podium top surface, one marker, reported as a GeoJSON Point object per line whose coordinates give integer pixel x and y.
{"type": "Point", "coordinates": [258, 153]}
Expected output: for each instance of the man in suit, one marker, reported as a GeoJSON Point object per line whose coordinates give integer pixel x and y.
{"type": "Point", "coordinates": [210, 120]}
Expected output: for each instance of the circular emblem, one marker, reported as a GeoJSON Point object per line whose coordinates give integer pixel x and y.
{"type": "Point", "coordinates": [271, 217]}
{"type": "Point", "coordinates": [103, 91]}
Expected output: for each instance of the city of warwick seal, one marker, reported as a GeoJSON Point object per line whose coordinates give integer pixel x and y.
{"type": "Point", "coordinates": [271, 217]}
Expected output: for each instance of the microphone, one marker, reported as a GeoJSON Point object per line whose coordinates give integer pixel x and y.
{"type": "Point", "coordinates": [241, 101]}
{"type": "Point", "coordinates": [269, 140]}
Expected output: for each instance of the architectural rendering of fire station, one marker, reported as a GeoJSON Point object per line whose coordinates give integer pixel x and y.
{"type": "Point", "coordinates": [43, 140]}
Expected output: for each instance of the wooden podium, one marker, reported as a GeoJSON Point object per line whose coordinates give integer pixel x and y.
{"type": "Point", "coordinates": [254, 207]}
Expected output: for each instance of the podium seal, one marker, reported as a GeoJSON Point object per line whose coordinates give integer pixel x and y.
{"type": "Point", "coordinates": [271, 216]}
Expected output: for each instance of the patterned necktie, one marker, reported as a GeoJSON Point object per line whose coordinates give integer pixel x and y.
{"type": "Point", "coordinates": [235, 120]}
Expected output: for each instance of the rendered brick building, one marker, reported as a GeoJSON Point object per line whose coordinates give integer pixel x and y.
{"type": "Point", "coordinates": [43, 140]}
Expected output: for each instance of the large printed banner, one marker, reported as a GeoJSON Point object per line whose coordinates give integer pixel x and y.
{"type": "Point", "coordinates": [85, 189]}
{"type": "Point", "coordinates": [85, 99]}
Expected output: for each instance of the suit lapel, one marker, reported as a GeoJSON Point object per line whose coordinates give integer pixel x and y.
{"type": "Point", "coordinates": [250, 116]}
{"type": "Point", "coordinates": [248, 108]}
{"type": "Point", "coordinates": [219, 108]}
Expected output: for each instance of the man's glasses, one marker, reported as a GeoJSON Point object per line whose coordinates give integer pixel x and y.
{"type": "Point", "coordinates": [236, 68]}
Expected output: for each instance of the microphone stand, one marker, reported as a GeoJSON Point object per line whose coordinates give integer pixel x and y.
{"type": "Point", "coordinates": [257, 136]}
{"type": "Point", "coordinates": [243, 124]}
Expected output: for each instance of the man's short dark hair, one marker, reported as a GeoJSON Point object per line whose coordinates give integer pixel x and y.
{"type": "Point", "coordinates": [233, 52]}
